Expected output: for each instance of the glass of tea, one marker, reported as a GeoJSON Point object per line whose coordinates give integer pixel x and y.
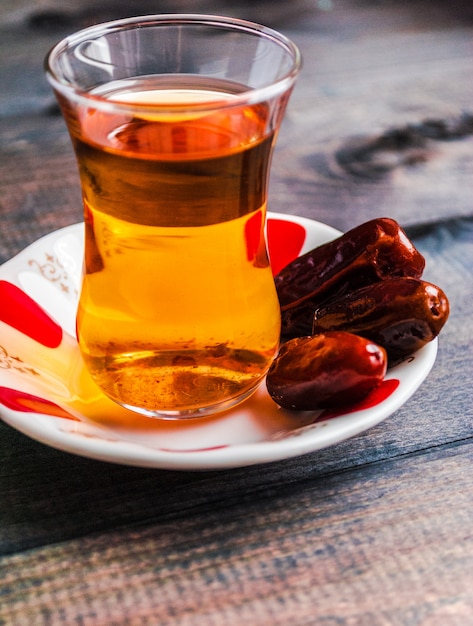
{"type": "Point", "coordinates": [173, 120]}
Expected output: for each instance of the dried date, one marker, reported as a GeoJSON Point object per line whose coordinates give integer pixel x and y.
{"type": "Point", "coordinates": [326, 370]}
{"type": "Point", "coordinates": [366, 254]}
{"type": "Point", "coordinates": [399, 314]}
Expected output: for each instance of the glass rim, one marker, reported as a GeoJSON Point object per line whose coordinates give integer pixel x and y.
{"type": "Point", "coordinates": [247, 96]}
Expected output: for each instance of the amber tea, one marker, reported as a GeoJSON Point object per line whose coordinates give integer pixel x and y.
{"type": "Point", "coordinates": [178, 314]}
{"type": "Point", "coordinates": [178, 309]}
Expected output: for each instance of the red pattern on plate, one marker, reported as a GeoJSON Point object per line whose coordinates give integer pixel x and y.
{"type": "Point", "coordinates": [21, 312]}
{"type": "Point", "coordinates": [253, 235]}
{"type": "Point", "coordinates": [285, 241]}
{"type": "Point", "coordinates": [27, 403]}
{"type": "Point", "coordinates": [193, 450]}
{"type": "Point", "coordinates": [377, 396]}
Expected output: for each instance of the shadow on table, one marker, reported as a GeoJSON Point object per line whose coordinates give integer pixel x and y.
{"type": "Point", "coordinates": [52, 496]}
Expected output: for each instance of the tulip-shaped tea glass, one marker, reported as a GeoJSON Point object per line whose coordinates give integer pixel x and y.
{"type": "Point", "coordinates": [173, 120]}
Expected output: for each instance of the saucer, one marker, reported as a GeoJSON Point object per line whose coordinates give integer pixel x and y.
{"type": "Point", "coordinates": [46, 393]}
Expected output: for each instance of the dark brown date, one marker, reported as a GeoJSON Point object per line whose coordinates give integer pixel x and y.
{"type": "Point", "coordinates": [368, 253]}
{"type": "Point", "coordinates": [399, 314]}
{"type": "Point", "coordinates": [326, 370]}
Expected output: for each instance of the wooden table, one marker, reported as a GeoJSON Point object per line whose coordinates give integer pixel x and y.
{"type": "Point", "coordinates": [374, 531]}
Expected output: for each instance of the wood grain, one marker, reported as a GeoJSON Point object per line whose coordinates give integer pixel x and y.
{"type": "Point", "coordinates": [348, 548]}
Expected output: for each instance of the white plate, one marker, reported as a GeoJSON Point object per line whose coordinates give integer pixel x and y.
{"type": "Point", "coordinates": [46, 393]}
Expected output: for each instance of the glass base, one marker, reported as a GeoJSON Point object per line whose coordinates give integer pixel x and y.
{"type": "Point", "coordinates": [165, 414]}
